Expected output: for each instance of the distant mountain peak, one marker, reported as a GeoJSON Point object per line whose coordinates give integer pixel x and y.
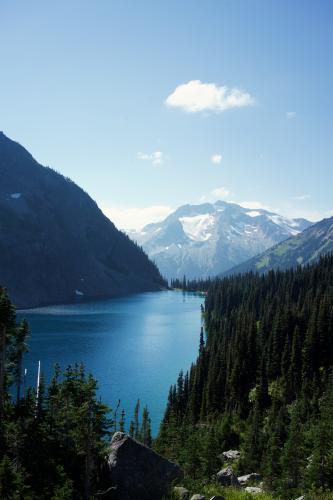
{"type": "Point", "coordinates": [206, 239]}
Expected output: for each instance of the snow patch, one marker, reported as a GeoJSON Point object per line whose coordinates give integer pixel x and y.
{"type": "Point", "coordinates": [16, 196]}
{"type": "Point", "coordinates": [250, 229]}
{"type": "Point", "coordinates": [253, 213]}
{"type": "Point", "coordinates": [288, 224]}
{"type": "Point", "coordinates": [235, 230]}
{"type": "Point", "coordinates": [78, 293]}
{"type": "Point", "coordinates": [197, 227]}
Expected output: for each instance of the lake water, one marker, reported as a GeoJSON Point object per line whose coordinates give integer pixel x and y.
{"type": "Point", "coordinates": [134, 346]}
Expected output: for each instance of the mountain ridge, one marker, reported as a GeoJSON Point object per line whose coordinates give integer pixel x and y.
{"type": "Point", "coordinates": [57, 242]}
{"type": "Point", "coordinates": [301, 249]}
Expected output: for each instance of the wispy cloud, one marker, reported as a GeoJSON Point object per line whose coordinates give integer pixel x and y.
{"type": "Point", "coordinates": [290, 115]}
{"type": "Point", "coordinates": [136, 218]}
{"type": "Point", "coordinates": [156, 158]}
{"type": "Point", "coordinates": [195, 96]}
{"type": "Point", "coordinates": [216, 159]}
{"type": "Point", "coordinates": [301, 197]}
{"type": "Point", "coordinates": [221, 192]}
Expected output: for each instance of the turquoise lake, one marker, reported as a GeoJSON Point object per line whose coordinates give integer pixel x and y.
{"type": "Point", "coordinates": [134, 346]}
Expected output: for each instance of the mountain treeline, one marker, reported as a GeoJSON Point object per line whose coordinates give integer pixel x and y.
{"type": "Point", "coordinates": [262, 382]}
{"type": "Point", "coordinates": [191, 285]}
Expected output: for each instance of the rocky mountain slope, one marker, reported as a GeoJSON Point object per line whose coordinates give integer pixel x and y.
{"type": "Point", "coordinates": [205, 240]}
{"type": "Point", "coordinates": [55, 243]}
{"type": "Point", "coordinates": [301, 249]}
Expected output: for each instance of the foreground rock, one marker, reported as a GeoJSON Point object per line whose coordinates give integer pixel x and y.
{"type": "Point", "coordinates": [198, 497]}
{"type": "Point", "coordinates": [217, 497]}
{"type": "Point", "coordinates": [254, 490]}
{"type": "Point", "coordinates": [249, 478]}
{"type": "Point", "coordinates": [231, 455]}
{"type": "Point", "coordinates": [138, 472]}
{"type": "Point", "coordinates": [227, 477]}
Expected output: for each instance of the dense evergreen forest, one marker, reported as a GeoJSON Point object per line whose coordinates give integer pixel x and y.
{"type": "Point", "coordinates": [262, 382]}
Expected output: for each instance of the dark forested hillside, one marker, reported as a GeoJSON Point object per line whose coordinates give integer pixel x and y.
{"type": "Point", "coordinates": [262, 381]}
{"type": "Point", "coordinates": [56, 245]}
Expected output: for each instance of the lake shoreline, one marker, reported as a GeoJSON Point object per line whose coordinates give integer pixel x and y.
{"type": "Point", "coordinates": [134, 346]}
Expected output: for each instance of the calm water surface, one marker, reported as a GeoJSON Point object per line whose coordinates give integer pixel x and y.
{"type": "Point", "coordinates": [135, 346]}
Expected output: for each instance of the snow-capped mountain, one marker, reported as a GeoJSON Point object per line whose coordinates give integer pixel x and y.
{"type": "Point", "coordinates": [205, 240]}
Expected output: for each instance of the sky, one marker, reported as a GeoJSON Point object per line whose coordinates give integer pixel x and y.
{"type": "Point", "coordinates": [152, 104]}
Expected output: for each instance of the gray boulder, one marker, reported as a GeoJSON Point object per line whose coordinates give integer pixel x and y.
{"type": "Point", "coordinates": [227, 477]}
{"type": "Point", "coordinates": [136, 471]}
{"type": "Point", "coordinates": [217, 497]}
{"type": "Point", "coordinates": [231, 455]}
{"type": "Point", "coordinates": [181, 493]}
{"type": "Point", "coordinates": [198, 497]}
{"type": "Point", "coordinates": [249, 478]}
{"type": "Point", "coordinates": [254, 490]}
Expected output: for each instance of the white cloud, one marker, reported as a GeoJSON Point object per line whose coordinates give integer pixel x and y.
{"type": "Point", "coordinates": [127, 218]}
{"type": "Point", "coordinates": [156, 158]}
{"type": "Point", "coordinates": [195, 96]}
{"type": "Point", "coordinates": [221, 192]}
{"type": "Point", "coordinates": [216, 159]}
{"type": "Point", "coordinates": [254, 205]}
{"type": "Point", "coordinates": [301, 197]}
{"type": "Point", "coordinates": [290, 115]}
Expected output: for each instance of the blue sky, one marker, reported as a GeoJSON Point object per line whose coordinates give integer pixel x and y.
{"type": "Point", "coordinates": [152, 104]}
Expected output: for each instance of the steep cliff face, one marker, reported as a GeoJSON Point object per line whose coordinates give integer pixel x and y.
{"type": "Point", "coordinates": [56, 245]}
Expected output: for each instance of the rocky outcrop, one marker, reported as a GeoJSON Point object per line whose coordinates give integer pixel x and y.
{"type": "Point", "coordinates": [227, 477]}
{"type": "Point", "coordinates": [137, 472]}
{"type": "Point", "coordinates": [254, 490]}
{"type": "Point", "coordinates": [249, 478]}
{"type": "Point", "coordinates": [231, 455]}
